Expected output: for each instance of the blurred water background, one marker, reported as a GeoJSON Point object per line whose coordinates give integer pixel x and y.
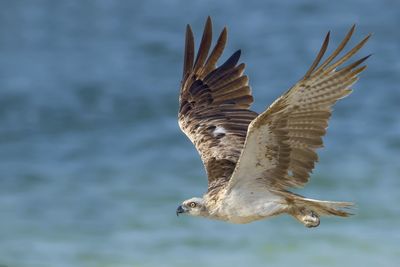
{"type": "Point", "coordinates": [93, 164]}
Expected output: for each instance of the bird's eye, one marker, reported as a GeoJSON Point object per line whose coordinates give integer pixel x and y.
{"type": "Point", "coordinates": [192, 204]}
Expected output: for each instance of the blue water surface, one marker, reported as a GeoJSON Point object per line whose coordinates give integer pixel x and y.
{"type": "Point", "coordinates": [93, 163]}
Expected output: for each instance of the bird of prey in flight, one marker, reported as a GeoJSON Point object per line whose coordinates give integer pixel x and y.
{"type": "Point", "coordinates": [252, 160]}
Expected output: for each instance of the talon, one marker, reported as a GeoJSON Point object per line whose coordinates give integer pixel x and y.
{"type": "Point", "coordinates": [311, 219]}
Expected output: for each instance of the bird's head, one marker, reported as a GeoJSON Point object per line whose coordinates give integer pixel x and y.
{"type": "Point", "coordinates": [194, 206]}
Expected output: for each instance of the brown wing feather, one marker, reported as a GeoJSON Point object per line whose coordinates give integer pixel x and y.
{"type": "Point", "coordinates": [214, 105]}
{"type": "Point", "coordinates": [281, 144]}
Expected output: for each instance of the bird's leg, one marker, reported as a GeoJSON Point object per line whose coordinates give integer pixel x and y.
{"type": "Point", "coordinates": [306, 216]}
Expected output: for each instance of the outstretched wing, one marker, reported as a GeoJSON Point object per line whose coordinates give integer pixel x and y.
{"type": "Point", "coordinates": [214, 105]}
{"type": "Point", "coordinates": [280, 147]}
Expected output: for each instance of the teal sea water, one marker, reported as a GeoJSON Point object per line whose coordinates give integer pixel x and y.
{"type": "Point", "coordinates": [93, 163]}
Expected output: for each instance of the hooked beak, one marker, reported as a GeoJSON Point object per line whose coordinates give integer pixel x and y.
{"type": "Point", "coordinates": [179, 210]}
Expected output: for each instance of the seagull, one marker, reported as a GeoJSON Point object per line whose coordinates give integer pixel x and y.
{"type": "Point", "coordinates": [253, 160]}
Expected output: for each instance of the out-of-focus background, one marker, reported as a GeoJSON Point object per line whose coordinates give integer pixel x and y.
{"type": "Point", "coordinates": [93, 164]}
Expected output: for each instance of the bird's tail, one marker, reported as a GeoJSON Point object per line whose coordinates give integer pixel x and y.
{"type": "Point", "coordinates": [308, 211]}
{"type": "Point", "coordinates": [326, 208]}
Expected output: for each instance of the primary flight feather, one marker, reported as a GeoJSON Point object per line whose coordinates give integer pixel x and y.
{"type": "Point", "coordinates": [252, 160]}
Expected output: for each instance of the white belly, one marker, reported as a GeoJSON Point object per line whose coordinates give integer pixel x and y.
{"type": "Point", "coordinates": [244, 206]}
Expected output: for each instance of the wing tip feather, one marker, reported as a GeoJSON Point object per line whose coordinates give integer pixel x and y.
{"type": "Point", "coordinates": [205, 45]}
{"type": "Point", "coordinates": [319, 56]}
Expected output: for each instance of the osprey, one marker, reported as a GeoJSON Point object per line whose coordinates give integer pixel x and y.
{"type": "Point", "coordinates": [252, 160]}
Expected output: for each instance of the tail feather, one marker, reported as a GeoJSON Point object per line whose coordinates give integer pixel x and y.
{"type": "Point", "coordinates": [327, 208]}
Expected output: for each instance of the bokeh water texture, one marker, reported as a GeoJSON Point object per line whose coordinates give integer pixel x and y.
{"type": "Point", "coordinates": [93, 164]}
